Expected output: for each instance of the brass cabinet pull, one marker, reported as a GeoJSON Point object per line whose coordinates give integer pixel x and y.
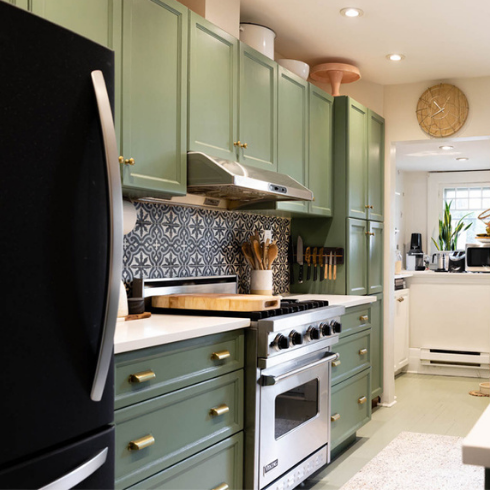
{"type": "Point", "coordinates": [244, 145]}
{"type": "Point", "coordinates": [335, 417]}
{"type": "Point", "coordinates": [142, 377]}
{"type": "Point", "coordinates": [219, 356]}
{"type": "Point", "coordinates": [364, 318]}
{"type": "Point", "coordinates": [141, 443]}
{"type": "Point", "coordinates": [366, 206]}
{"type": "Point", "coordinates": [129, 161]}
{"type": "Point", "coordinates": [237, 143]}
{"type": "Point", "coordinates": [362, 400]}
{"type": "Point", "coordinates": [401, 299]}
{"type": "Point", "coordinates": [121, 159]}
{"type": "Point", "coordinates": [335, 363]}
{"type": "Point", "coordinates": [369, 233]}
{"type": "Point", "coordinates": [371, 207]}
{"type": "Point", "coordinates": [363, 351]}
{"type": "Point", "coordinates": [223, 486]}
{"type": "Point", "coordinates": [219, 410]}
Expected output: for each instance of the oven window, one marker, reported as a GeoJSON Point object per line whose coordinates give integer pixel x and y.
{"type": "Point", "coordinates": [295, 407]}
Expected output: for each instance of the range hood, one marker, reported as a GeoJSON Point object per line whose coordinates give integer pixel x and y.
{"type": "Point", "coordinates": [239, 184]}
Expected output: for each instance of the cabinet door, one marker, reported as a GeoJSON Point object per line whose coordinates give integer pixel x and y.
{"type": "Point", "coordinates": [377, 347]}
{"type": "Point", "coordinates": [375, 257]}
{"type": "Point", "coordinates": [213, 89]}
{"type": "Point", "coordinates": [292, 132]}
{"type": "Point", "coordinates": [357, 256]}
{"type": "Point", "coordinates": [23, 4]}
{"type": "Point", "coordinates": [93, 19]}
{"type": "Point", "coordinates": [357, 174]}
{"type": "Point", "coordinates": [402, 304]}
{"type": "Point", "coordinates": [376, 143]}
{"type": "Point", "coordinates": [257, 124]}
{"type": "Point", "coordinates": [320, 166]}
{"type": "Point", "coordinates": [154, 98]}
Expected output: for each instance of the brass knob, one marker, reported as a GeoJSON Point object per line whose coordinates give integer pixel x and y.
{"type": "Point", "coordinates": [364, 318]}
{"type": "Point", "coordinates": [368, 233]}
{"type": "Point", "coordinates": [219, 410]}
{"type": "Point", "coordinates": [237, 143]}
{"type": "Point", "coordinates": [223, 486]}
{"type": "Point", "coordinates": [129, 161]}
{"type": "Point", "coordinates": [141, 377]}
{"type": "Point", "coordinates": [401, 299]}
{"type": "Point", "coordinates": [141, 443]}
{"type": "Point", "coordinates": [244, 145]}
{"type": "Point", "coordinates": [362, 352]}
{"type": "Point", "coordinates": [335, 417]}
{"type": "Point", "coordinates": [121, 159]}
{"type": "Point", "coordinates": [371, 207]}
{"type": "Point", "coordinates": [362, 400]}
{"type": "Point", "coordinates": [336, 363]}
{"type": "Point", "coordinates": [366, 206]}
{"type": "Point", "coordinates": [219, 356]}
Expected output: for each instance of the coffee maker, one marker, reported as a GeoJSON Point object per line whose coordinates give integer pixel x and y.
{"type": "Point", "coordinates": [415, 256]}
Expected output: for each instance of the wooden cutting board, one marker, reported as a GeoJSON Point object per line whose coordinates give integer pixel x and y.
{"type": "Point", "coordinates": [217, 302]}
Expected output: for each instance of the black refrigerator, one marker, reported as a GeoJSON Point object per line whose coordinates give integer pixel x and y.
{"type": "Point", "coordinates": [60, 255]}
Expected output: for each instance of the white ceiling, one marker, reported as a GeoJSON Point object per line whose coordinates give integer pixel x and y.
{"type": "Point", "coordinates": [441, 39]}
{"type": "Point", "coordinates": [419, 156]}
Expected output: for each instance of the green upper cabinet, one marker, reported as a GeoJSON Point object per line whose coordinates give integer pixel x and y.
{"type": "Point", "coordinates": [293, 133]}
{"type": "Point", "coordinates": [97, 20]}
{"type": "Point", "coordinates": [23, 4]}
{"type": "Point", "coordinates": [213, 90]}
{"type": "Point", "coordinates": [376, 143]}
{"type": "Point", "coordinates": [320, 167]}
{"type": "Point", "coordinates": [257, 124]}
{"type": "Point", "coordinates": [375, 257]}
{"type": "Point", "coordinates": [154, 98]}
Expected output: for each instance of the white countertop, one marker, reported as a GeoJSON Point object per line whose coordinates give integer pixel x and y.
{"type": "Point", "coordinates": [476, 445]}
{"type": "Point", "coordinates": [450, 277]}
{"type": "Point", "coordinates": [404, 274]}
{"type": "Point", "coordinates": [335, 299]}
{"type": "Point", "coordinates": [164, 329]}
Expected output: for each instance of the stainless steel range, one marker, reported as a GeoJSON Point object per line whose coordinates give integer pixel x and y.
{"type": "Point", "coordinates": [287, 381]}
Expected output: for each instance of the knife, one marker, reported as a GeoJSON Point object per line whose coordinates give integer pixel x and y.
{"type": "Point", "coordinates": [320, 262]}
{"type": "Point", "coordinates": [330, 261]}
{"type": "Point", "coordinates": [308, 261]}
{"type": "Point", "coordinates": [315, 254]}
{"type": "Point", "coordinates": [335, 266]}
{"type": "Point", "coordinates": [291, 261]}
{"type": "Point", "coordinates": [299, 259]}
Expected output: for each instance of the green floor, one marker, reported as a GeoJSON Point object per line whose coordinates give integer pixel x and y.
{"type": "Point", "coordinates": [431, 404]}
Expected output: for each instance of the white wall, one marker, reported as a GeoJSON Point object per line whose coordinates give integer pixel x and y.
{"type": "Point", "coordinates": [399, 218]}
{"type": "Point", "coordinates": [416, 208]}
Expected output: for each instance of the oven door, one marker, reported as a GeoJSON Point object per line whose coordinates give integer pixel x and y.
{"type": "Point", "coordinates": [294, 413]}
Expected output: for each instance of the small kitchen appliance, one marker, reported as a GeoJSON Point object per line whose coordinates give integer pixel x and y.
{"type": "Point", "coordinates": [457, 261]}
{"type": "Point", "coordinates": [415, 256]}
{"type": "Point", "coordinates": [478, 257]}
{"type": "Point", "coordinates": [287, 380]}
{"type": "Point", "coordinates": [442, 260]}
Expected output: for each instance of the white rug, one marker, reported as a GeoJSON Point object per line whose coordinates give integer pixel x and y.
{"type": "Point", "coordinates": [418, 462]}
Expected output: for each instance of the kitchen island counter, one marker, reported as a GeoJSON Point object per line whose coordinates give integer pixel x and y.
{"type": "Point", "coordinates": [164, 329]}
{"type": "Point", "coordinates": [476, 445]}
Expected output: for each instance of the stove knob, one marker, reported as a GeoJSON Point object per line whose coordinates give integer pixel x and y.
{"type": "Point", "coordinates": [295, 337]}
{"type": "Point", "coordinates": [336, 326]}
{"type": "Point", "coordinates": [326, 329]}
{"type": "Point", "coordinates": [280, 342]}
{"type": "Point", "coordinates": [312, 333]}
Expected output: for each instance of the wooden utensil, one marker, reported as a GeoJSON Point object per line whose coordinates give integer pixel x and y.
{"type": "Point", "coordinates": [321, 262]}
{"type": "Point", "coordinates": [258, 254]}
{"type": "Point", "coordinates": [308, 262]}
{"type": "Point", "coordinates": [247, 251]}
{"type": "Point", "coordinates": [265, 255]}
{"type": "Point", "coordinates": [330, 262]}
{"type": "Point", "coordinates": [273, 252]}
{"type": "Point", "coordinates": [325, 275]}
{"type": "Point", "coordinates": [335, 266]}
{"type": "Point", "coordinates": [138, 316]}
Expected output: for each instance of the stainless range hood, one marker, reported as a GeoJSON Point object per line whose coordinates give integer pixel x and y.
{"type": "Point", "coordinates": [240, 184]}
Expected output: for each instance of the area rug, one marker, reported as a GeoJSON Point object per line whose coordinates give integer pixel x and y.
{"type": "Point", "coordinates": [415, 461]}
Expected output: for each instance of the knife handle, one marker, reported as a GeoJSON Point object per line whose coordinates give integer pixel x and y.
{"type": "Point", "coordinates": [300, 274]}
{"type": "Point", "coordinates": [314, 273]}
{"type": "Point", "coordinates": [308, 272]}
{"type": "Point", "coordinates": [321, 273]}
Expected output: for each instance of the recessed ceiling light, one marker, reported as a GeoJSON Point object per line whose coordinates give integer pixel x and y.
{"type": "Point", "coordinates": [462, 159]}
{"type": "Point", "coordinates": [395, 57]}
{"type": "Point", "coordinates": [446, 147]}
{"type": "Point", "coordinates": [351, 12]}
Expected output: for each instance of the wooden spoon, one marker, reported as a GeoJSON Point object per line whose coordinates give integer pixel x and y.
{"type": "Point", "coordinates": [247, 251]}
{"type": "Point", "coordinates": [258, 253]}
{"type": "Point", "coordinates": [273, 252]}
{"type": "Point", "coordinates": [265, 255]}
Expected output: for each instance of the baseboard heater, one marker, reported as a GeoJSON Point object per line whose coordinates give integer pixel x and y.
{"type": "Point", "coordinates": [455, 358]}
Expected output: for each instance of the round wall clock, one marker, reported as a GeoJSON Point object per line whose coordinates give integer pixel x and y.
{"type": "Point", "coordinates": [442, 110]}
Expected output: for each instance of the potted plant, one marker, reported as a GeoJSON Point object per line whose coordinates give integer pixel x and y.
{"type": "Point", "coordinates": [448, 239]}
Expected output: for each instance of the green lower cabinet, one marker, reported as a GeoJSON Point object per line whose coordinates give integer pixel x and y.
{"type": "Point", "coordinates": [350, 407]}
{"type": "Point", "coordinates": [355, 319]}
{"type": "Point", "coordinates": [220, 465]}
{"type": "Point", "coordinates": [154, 136]}
{"type": "Point", "coordinates": [178, 425]}
{"type": "Point", "coordinates": [377, 347]}
{"type": "Point", "coordinates": [354, 356]}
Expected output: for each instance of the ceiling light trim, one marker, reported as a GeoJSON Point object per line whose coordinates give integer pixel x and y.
{"type": "Point", "coordinates": [352, 12]}
{"type": "Point", "coordinates": [395, 57]}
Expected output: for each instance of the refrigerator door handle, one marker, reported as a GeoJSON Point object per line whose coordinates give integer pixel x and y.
{"type": "Point", "coordinates": [115, 235]}
{"type": "Point", "coordinates": [79, 474]}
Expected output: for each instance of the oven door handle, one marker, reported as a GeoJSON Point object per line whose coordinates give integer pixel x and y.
{"type": "Point", "coordinates": [268, 380]}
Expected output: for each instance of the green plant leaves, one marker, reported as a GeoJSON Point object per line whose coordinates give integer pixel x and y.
{"type": "Point", "coordinates": [448, 238]}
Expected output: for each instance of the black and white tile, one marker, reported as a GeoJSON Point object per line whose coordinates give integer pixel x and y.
{"type": "Point", "coordinates": [179, 241]}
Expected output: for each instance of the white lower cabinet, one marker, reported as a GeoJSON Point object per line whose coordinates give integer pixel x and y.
{"type": "Point", "coordinates": [402, 322]}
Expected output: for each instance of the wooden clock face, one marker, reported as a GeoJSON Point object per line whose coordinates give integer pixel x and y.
{"type": "Point", "coordinates": [442, 110]}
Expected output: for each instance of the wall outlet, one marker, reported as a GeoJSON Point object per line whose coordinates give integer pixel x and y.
{"type": "Point", "coordinates": [267, 235]}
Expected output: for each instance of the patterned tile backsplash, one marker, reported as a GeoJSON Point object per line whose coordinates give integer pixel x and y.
{"type": "Point", "coordinates": [180, 241]}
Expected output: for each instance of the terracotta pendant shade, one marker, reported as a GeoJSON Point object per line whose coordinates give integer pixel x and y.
{"type": "Point", "coordinates": [335, 74]}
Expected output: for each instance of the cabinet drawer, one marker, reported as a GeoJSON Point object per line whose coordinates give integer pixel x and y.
{"type": "Point", "coordinates": [355, 356]}
{"type": "Point", "coordinates": [207, 470]}
{"type": "Point", "coordinates": [348, 413]}
{"type": "Point", "coordinates": [355, 319]}
{"type": "Point", "coordinates": [176, 366]}
{"type": "Point", "coordinates": [181, 424]}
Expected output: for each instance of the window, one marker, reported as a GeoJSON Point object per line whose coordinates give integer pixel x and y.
{"type": "Point", "coordinates": [470, 200]}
